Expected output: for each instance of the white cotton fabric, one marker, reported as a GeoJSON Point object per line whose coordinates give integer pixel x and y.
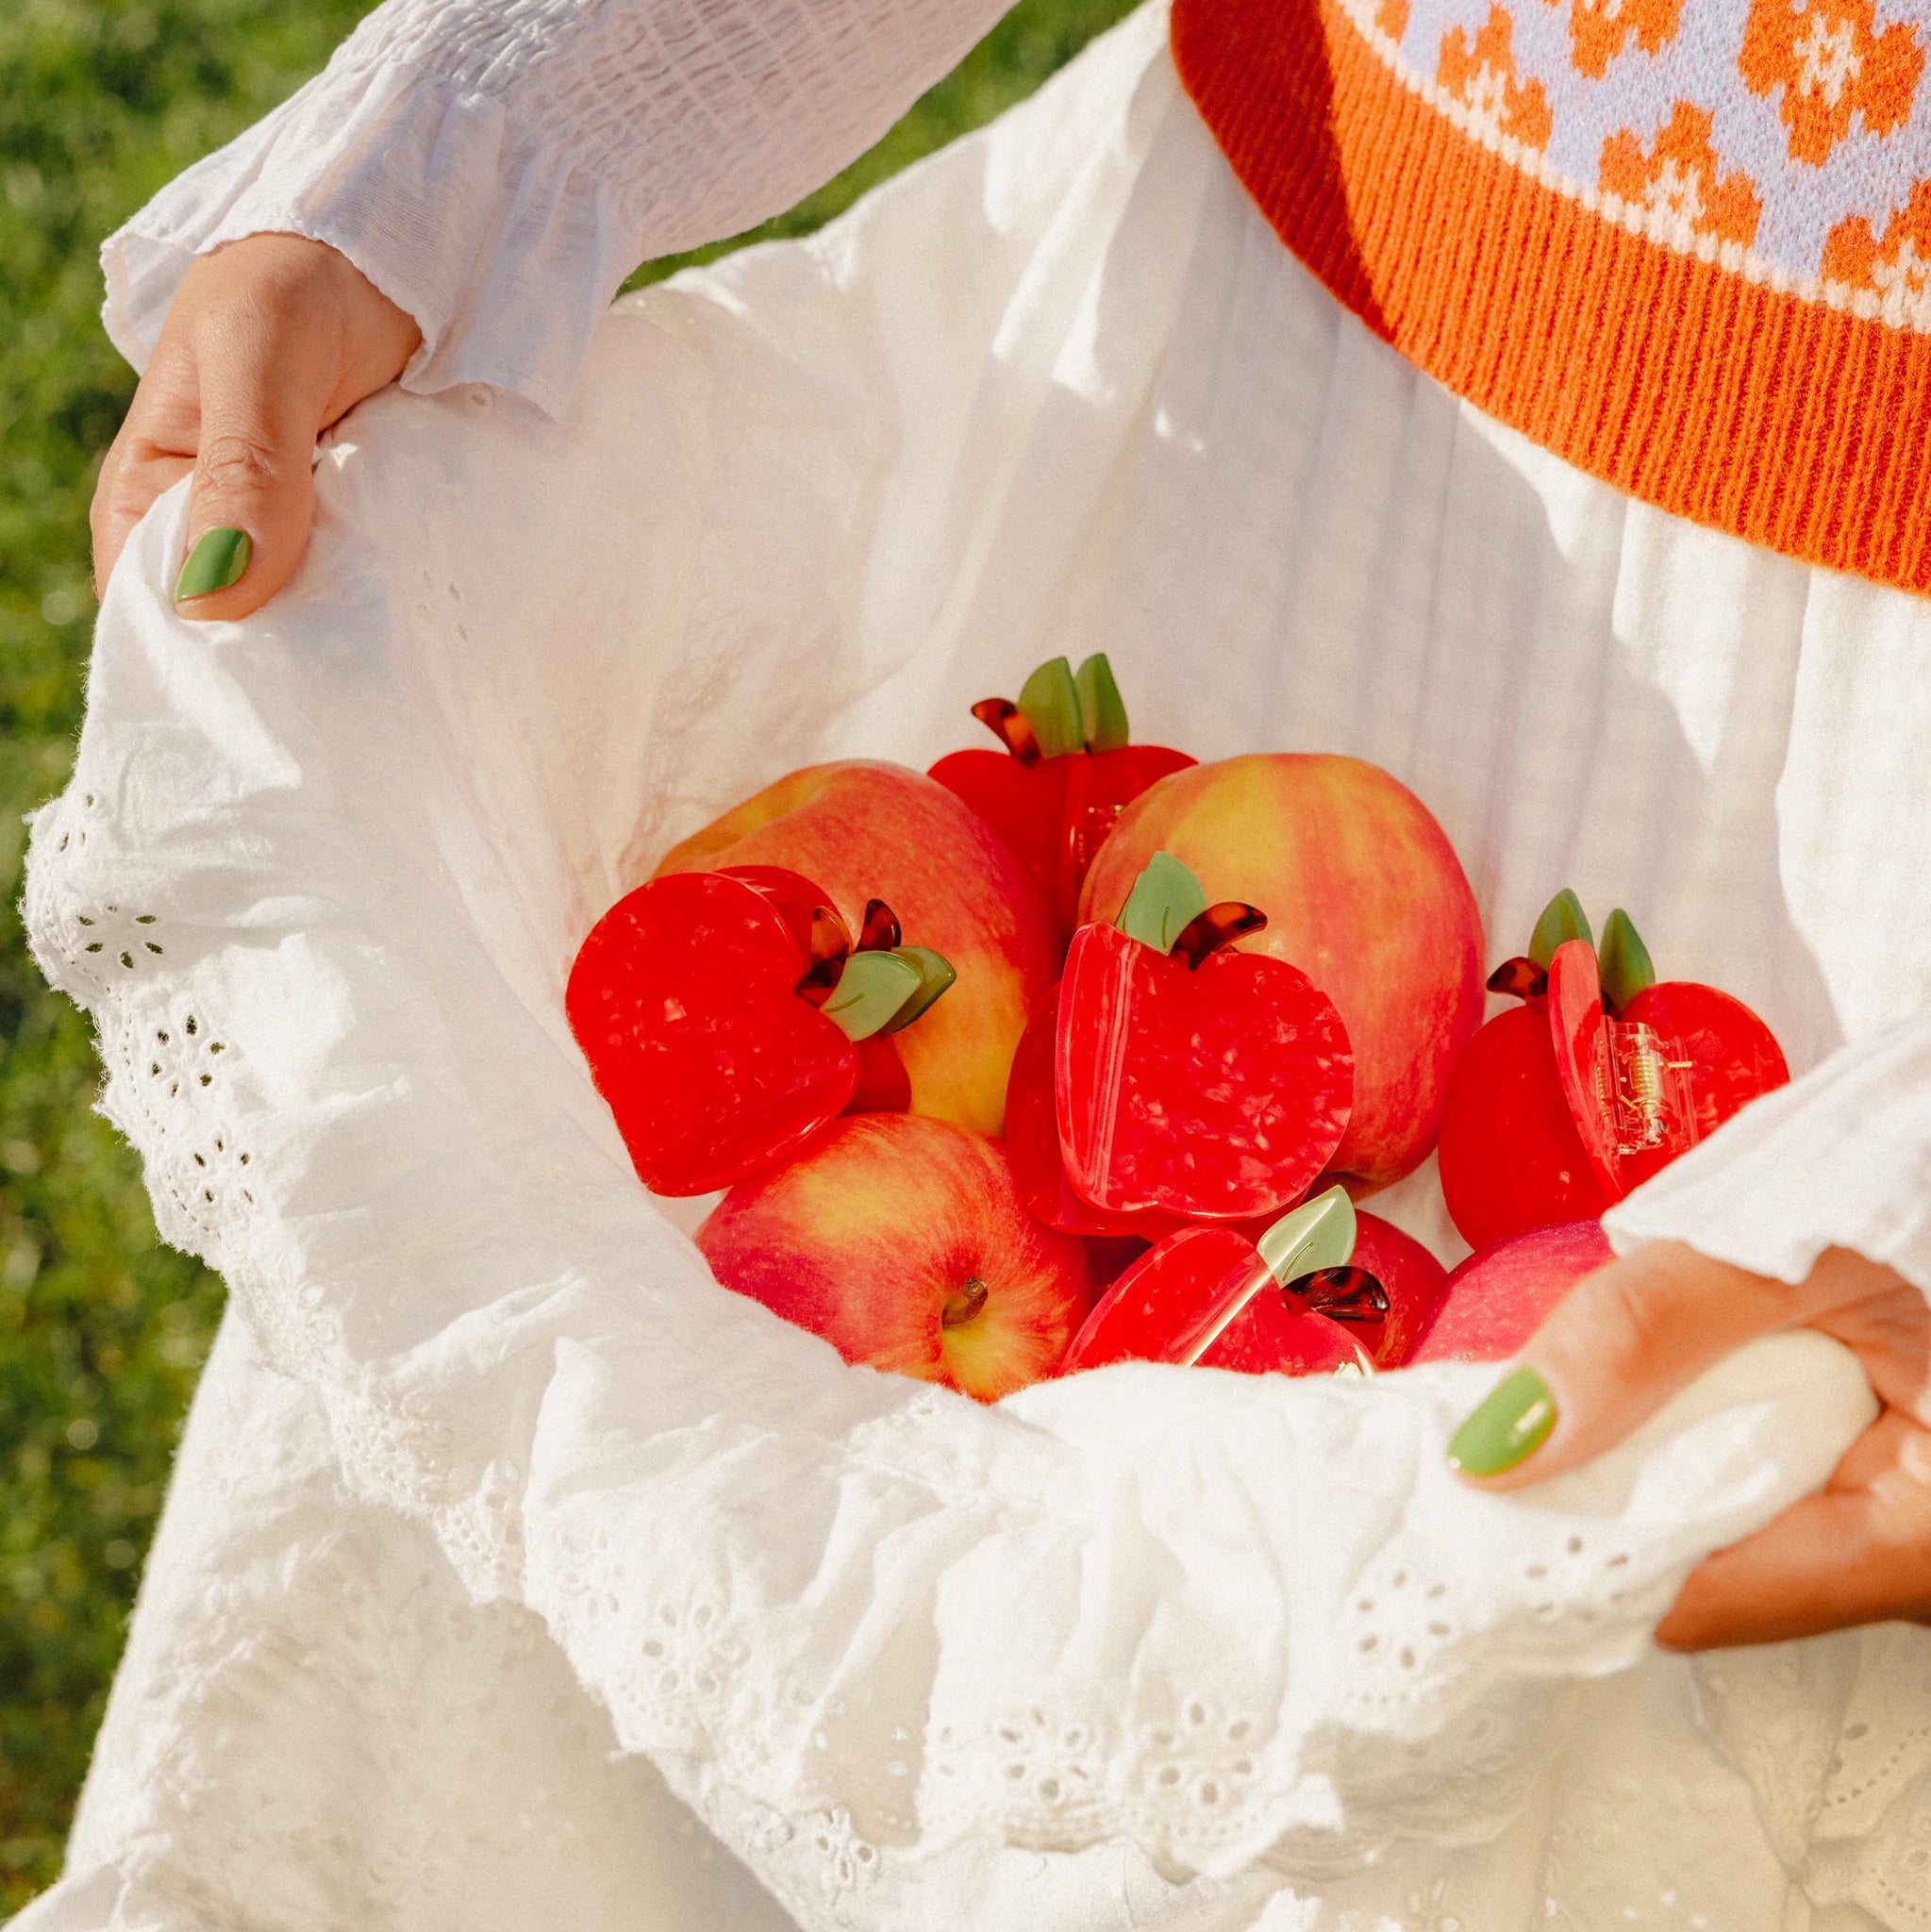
{"type": "Point", "coordinates": [502, 1535]}
{"type": "Point", "coordinates": [498, 166]}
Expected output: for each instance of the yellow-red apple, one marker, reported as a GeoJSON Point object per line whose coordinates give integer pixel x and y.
{"type": "Point", "coordinates": [864, 830]}
{"type": "Point", "coordinates": [1362, 891]}
{"type": "Point", "coordinates": [903, 1242]}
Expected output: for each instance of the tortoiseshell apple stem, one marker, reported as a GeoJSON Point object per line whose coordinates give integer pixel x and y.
{"type": "Point", "coordinates": [1519, 977]}
{"type": "Point", "coordinates": [831, 946]}
{"type": "Point", "coordinates": [1219, 925]}
{"type": "Point", "coordinates": [964, 1304]}
{"type": "Point", "coordinates": [1342, 1294]}
{"type": "Point", "coordinates": [1008, 724]}
{"type": "Point", "coordinates": [880, 933]}
{"type": "Point", "coordinates": [830, 939]}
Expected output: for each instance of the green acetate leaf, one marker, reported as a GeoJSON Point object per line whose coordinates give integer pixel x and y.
{"type": "Point", "coordinates": [1318, 1234]}
{"type": "Point", "coordinates": [871, 993]}
{"type": "Point", "coordinates": [1624, 962]}
{"type": "Point", "coordinates": [936, 974]}
{"type": "Point", "coordinates": [1102, 709]}
{"type": "Point", "coordinates": [1049, 701]}
{"type": "Point", "coordinates": [1562, 920]}
{"type": "Point", "coordinates": [1166, 899]}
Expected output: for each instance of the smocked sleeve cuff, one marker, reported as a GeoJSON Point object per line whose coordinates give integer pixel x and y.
{"type": "Point", "coordinates": [497, 175]}
{"type": "Point", "coordinates": [504, 252]}
{"type": "Point", "coordinates": [1840, 1158]}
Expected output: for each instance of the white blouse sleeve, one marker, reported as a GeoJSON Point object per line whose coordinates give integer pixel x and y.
{"type": "Point", "coordinates": [1840, 1158]}
{"type": "Point", "coordinates": [498, 166]}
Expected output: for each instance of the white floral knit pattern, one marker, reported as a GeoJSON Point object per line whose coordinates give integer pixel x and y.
{"type": "Point", "coordinates": [512, 1481]}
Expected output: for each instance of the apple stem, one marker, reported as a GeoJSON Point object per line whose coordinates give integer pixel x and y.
{"type": "Point", "coordinates": [880, 932]}
{"type": "Point", "coordinates": [1008, 724]}
{"type": "Point", "coordinates": [964, 1304]}
{"type": "Point", "coordinates": [1219, 925]}
{"type": "Point", "coordinates": [1519, 977]}
{"type": "Point", "coordinates": [1342, 1294]}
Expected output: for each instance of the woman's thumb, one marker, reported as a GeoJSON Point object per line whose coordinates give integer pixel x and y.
{"type": "Point", "coordinates": [1625, 1341]}
{"type": "Point", "coordinates": [253, 496]}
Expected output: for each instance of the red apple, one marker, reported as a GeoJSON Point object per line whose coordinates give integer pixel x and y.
{"type": "Point", "coordinates": [1498, 1298]}
{"type": "Point", "coordinates": [903, 1242]}
{"type": "Point", "coordinates": [1068, 771]}
{"type": "Point", "coordinates": [863, 830]}
{"type": "Point", "coordinates": [1415, 1282]}
{"type": "Point", "coordinates": [1563, 1104]}
{"type": "Point", "coordinates": [1363, 893]}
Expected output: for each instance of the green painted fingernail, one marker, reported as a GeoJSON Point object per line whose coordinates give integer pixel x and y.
{"type": "Point", "coordinates": [215, 563]}
{"type": "Point", "coordinates": [1511, 1424]}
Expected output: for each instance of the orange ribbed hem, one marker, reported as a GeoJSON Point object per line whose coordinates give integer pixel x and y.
{"type": "Point", "coordinates": [1780, 420]}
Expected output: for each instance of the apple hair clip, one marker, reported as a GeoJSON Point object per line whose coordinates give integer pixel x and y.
{"type": "Point", "coordinates": [1068, 771]}
{"type": "Point", "coordinates": [727, 1019]}
{"type": "Point", "coordinates": [1598, 1080]}
{"type": "Point", "coordinates": [1190, 1298]}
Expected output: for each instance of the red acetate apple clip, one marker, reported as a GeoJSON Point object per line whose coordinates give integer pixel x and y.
{"type": "Point", "coordinates": [1191, 1079]}
{"type": "Point", "coordinates": [1632, 1084]}
{"type": "Point", "coordinates": [684, 1000]}
{"type": "Point", "coordinates": [1606, 1075]}
{"type": "Point", "coordinates": [1032, 1143]}
{"type": "Point", "coordinates": [808, 914]}
{"type": "Point", "coordinates": [1066, 774]}
{"type": "Point", "coordinates": [697, 1004]}
{"type": "Point", "coordinates": [1185, 1298]}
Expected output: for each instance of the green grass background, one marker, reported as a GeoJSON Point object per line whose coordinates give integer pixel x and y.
{"type": "Point", "coordinates": [102, 1331]}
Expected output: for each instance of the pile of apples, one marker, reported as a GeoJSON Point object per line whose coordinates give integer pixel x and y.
{"type": "Point", "coordinates": [1078, 1051]}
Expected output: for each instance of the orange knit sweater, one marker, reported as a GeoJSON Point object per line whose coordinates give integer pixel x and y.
{"type": "Point", "coordinates": [1686, 246]}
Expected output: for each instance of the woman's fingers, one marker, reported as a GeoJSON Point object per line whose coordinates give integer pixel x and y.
{"type": "Point", "coordinates": [1629, 1336]}
{"type": "Point", "coordinates": [268, 341]}
{"type": "Point", "coordinates": [262, 399]}
{"type": "Point", "coordinates": [1613, 1352]}
{"type": "Point", "coordinates": [153, 450]}
{"type": "Point", "coordinates": [1859, 1552]}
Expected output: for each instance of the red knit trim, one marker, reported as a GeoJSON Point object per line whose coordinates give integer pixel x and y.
{"type": "Point", "coordinates": [1779, 419]}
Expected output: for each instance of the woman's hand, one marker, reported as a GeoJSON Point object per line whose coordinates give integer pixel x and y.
{"type": "Point", "coordinates": [267, 342]}
{"type": "Point", "coordinates": [1632, 1334]}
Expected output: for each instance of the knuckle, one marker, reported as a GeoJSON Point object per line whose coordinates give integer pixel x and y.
{"type": "Point", "coordinates": [1623, 1320]}
{"type": "Point", "coordinates": [1606, 1329]}
{"type": "Point", "coordinates": [235, 460]}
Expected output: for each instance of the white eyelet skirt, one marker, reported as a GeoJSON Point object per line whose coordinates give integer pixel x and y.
{"type": "Point", "coordinates": [517, 1574]}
